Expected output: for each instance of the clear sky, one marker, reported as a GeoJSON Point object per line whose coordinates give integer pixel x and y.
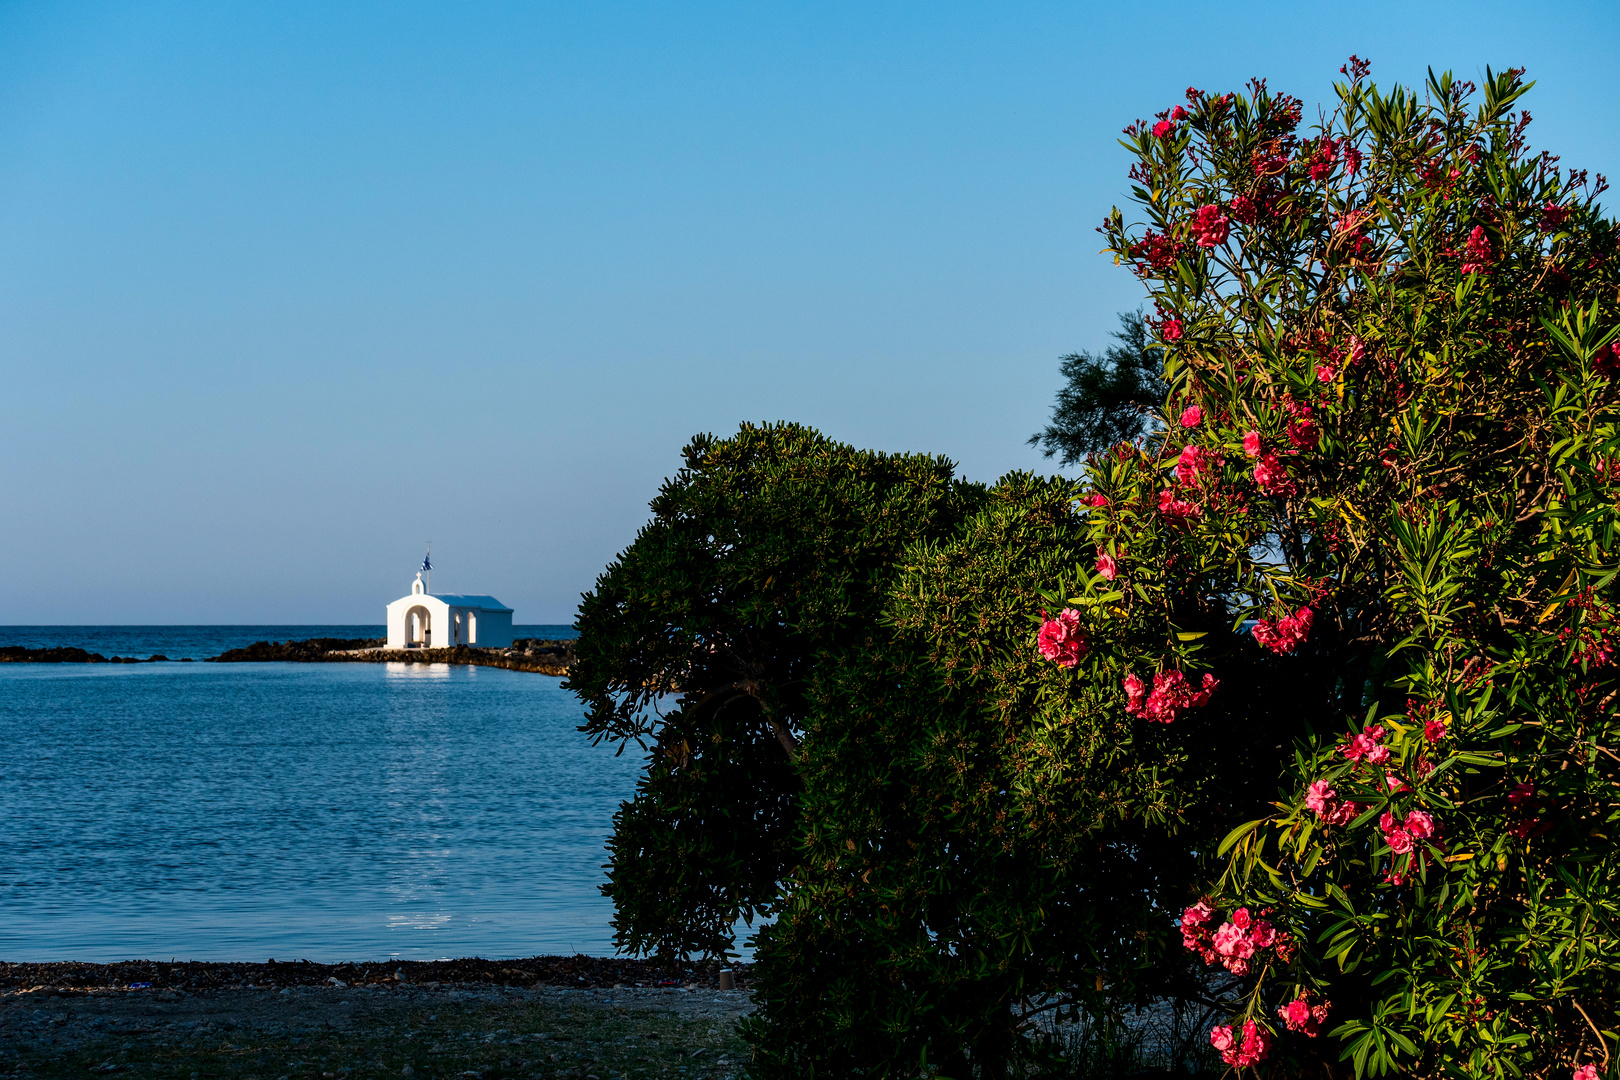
{"type": "Point", "coordinates": [287, 289]}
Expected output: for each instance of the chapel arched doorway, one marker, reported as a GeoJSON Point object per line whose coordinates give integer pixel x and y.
{"type": "Point", "coordinates": [418, 628]}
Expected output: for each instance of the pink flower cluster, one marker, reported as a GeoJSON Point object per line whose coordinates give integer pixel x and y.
{"type": "Point", "coordinates": [1324, 158]}
{"type": "Point", "coordinates": [1301, 1016]}
{"type": "Point", "coordinates": [1061, 639]}
{"type": "Point", "coordinates": [1234, 943]}
{"type": "Point", "coordinates": [1251, 444]}
{"type": "Point", "coordinates": [1253, 1050]}
{"type": "Point", "coordinates": [1158, 252]}
{"type": "Point", "coordinates": [1194, 463]}
{"type": "Point", "coordinates": [1478, 251]}
{"type": "Point", "coordinates": [1402, 836]}
{"type": "Point", "coordinates": [1325, 802]}
{"type": "Point", "coordinates": [1171, 694]}
{"type": "Point", "coordinates": [1287, 633]}
{"type": "Point", "coordinates": [1210, 226]}
{"type": "Point", "coordinates": [1271, 475]}
{"type": "Point", "coordinates": [1606, 363]}
{"type": "Point", "coordinates": [1176, 510]}
{"type": "Point", "coordinates": [1585, 1072]}
{"type": "Point", "coordinates": [1106, 566]}
{"type": "Point", "coordinates": [1192, 416]}
{"type": "Point", "coordinates": [1368, 744]}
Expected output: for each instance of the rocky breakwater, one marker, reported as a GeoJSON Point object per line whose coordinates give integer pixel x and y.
{"type": "Point", "coordinates": [547, 657]}
{"type": "Point", "coordinates": [66, 654]}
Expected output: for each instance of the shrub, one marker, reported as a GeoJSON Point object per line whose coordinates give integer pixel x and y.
{"type": "Point", "coordinates": [1388, 469]}
{"type": "Point", "coordinates": [768, 551]}
{"type": "Point", "coordinates": [990, 842]}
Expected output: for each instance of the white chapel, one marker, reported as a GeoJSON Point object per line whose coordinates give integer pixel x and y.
{"type": "Point", "coordinates": [423, 620]}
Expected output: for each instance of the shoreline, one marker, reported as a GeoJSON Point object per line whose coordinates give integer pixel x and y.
{"type": "Point", "coordinates": [551, 656]}
{"type": "Point", "coordinates": [464, 1027]}
{"type": "Point", "coordinates": [71, 978]}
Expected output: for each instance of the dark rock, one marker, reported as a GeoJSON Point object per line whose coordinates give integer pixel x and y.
{"type": "Point", "coordinates": [61, 654]}
{"type": "Point", "coordinates": [314, 649]}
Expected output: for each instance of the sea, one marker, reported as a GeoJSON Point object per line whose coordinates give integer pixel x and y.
{"type": "Point", "coordinates": [327, 812]}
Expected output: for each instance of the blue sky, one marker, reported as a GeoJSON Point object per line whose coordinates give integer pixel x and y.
{"type": "Point", "coordinates": [288, 288]}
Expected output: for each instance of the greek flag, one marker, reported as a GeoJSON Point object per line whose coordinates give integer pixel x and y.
{"type": "Point", "coordinates": [427, 563]}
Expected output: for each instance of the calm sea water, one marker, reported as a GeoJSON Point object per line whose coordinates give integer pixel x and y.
{"type": "Point", "coordinates": [320, 811]}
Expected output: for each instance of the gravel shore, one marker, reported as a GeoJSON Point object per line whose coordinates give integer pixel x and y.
{"type": "Point", "coordinates": [195, 1022]}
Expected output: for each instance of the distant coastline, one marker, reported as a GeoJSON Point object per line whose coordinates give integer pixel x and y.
{"type": "Point", "coordinates": [552, 656]}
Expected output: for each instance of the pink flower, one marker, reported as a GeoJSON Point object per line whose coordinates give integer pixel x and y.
{"type": "Point", "coordinates": [1319, 797]}
{"type": "Point", "coordinates": [1366, 744]}
{"type": "Point", "coordinates": [1220, 1037]}
{"type": "Point", "coordinates": [1553, 217]}
{"type": "Point", "coordinates": [1521, 794]}
{"type": "Point", "coordinates": [1342, 813]}
{"type": "Point", "coordinates": [1287, 633]}
{"type": "Point", "coordinates": [1585, 1072]}
{"type": "Point", "coordinates": [1170, 695]}
{"type": "Point", "coordinates": [1357, 349]}
{"type": "Point", "coordinates": [1198, 914]}
{"type": "Point", "coordinates": [1325, 373]}
{"type": "Point", "coordinates": [1135, 692]}
{"type": "Point", "coordinates": [1263, 934]}
{"type": "Point", "coordinates": [1301, 1016]}
{"type": "Point", "coordinates": [1094, 501]}
{"type": "Point", "coordinates": [1163, 128]}
{"type": "Point", "coordinates": [1062, 640]}
{"type": "Point", "coordinates": [1272, 477]}
{"type": "Point", "coordinates": [1231, 941]}
{"type": "Point", "coordinates": [1175, 510]}
{"type": "Point", "coordinates": [1479, 251]}
{"type": "Point", "coordinates": [1107, 567]}
{"type": "Point", "coordinates": [1391, 781]}
{"type": "Point", "coordinates": [1193, 461]}
{"type": "Point", "coordinates": [1420, 824]}
{"type": "Point", "coordinates": [1434, 730]}
{"type": "Point", "coordinates": [1606, 364]}
{"type": "Point", "coordinates": [1192, 416]}
{"type": "Point", "coordinates": [1251, 444]}
{"type": "Point", "coordinates": [1210, 226]}
{"type": "Point", "coordinates": [1159, 252]}
{"type": "Point", "coordinates": [1171, 330]}
{"type": "Point", "coordinates": [1296, 1014]}
{"type": "Point", "coordinates": [1244, 209]}
{"type": "Point", "coordinates": [1303, 434]}
{"type": "Point", "coordinates": [1179, 114]}
{"type": "Point", "coordinates": [1399, 841]}
{"type": "Point", "coordinates": [1241, 919]}
{"type": "Point", "coordinates": [1256, 1045]}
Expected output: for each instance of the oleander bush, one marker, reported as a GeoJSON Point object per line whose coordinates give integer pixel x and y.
{"type": "Point", "coordinates": [1389, 462]}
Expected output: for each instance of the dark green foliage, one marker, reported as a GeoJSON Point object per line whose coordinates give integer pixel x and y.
{"type": "Point", "coordinates": [986, 835]}
{"type": "Point", "coordinates": [768, 552]}
{"type": "Point", "coordinates": [1106, 399]}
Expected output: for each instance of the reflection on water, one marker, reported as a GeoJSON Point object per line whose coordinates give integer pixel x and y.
{"type": "Point", "coordinates": [319, 811]}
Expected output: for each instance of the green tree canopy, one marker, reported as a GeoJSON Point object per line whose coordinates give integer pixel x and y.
{"type": "Point", "coordinates": [767, 552]}
{"type": "Point", "coordinates": [1108, 398]}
